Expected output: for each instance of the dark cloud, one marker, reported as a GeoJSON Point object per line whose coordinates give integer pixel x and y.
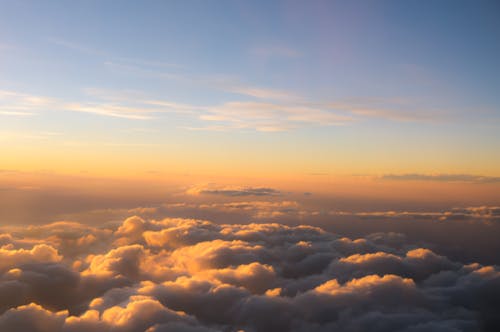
{"type": "Point", "coordinates": [234, 191]}
{"type": "Point", "coordinates": [243, 192]}
{"type": "Point", "coordinates": [475, 213]}
{"type": "Point", "coordinates": [192, 275]}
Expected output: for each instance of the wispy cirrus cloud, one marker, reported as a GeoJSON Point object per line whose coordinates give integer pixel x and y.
{"type": "Point", "coordinates": [262, 93]}
{"type": "Point", "coordinates": [111, 104]}
{"type": "Point", "coordinates": [76, 46]}
{"type": "Point", "coordinates": [83, 48]}
{"type": "Point", "coordinates": [389, 108]}
{"type": "Point", "coordinates": [268, 116]}
{"type": "Point", "coordinates": [255, 107]}
{"type": "Point", "coordinates": [269, 111]}
{"type": "Point", "coordinates": [13, 103]}
{"type": "Point", "coordinates": [260, 116]}
{"type": "Point", "coordinates": [15, 113]}
{"type": "Point", "coordinates": [112, 111]}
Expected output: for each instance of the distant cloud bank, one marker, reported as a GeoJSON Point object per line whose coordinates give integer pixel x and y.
{"type": "Point", "coordinates": [198, 276]}
{"type": "Point", "coordinates": [232, 191]}
{"type": "Point", "coordinates": [443, 178]}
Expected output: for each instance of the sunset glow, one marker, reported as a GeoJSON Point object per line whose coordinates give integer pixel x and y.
{"type": "Point", "coordinates": [201, 166]}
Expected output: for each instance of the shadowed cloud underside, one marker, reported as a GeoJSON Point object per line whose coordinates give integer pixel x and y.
{"type": "Point", "coordinates": [194, 275]}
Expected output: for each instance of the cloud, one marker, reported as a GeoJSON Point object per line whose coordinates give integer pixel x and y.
{"type": "Point", "coordinates": [231, 115]}
{"type": "Point", "coordinates": [260, 109]}
{"type": "Point", "coordinates": [104, 54]}
{"type": "Point", "coordinates": [32, 317]}
{"type": "Point", "coordinates": [472, 213]}
{"type": "Point", "coordinates": [259, 209]}
{"type": "Point", "coordinates": [10, 257]}
{"type": "Point", "coordinates": [262, 93]}
{"type": "Point", "coordinates": [269, 116]}
{"type": "Point", "coordinates": [468, 178]}
{"type": "Point", "coordinates": [193, 275]}
{"type": "Point", "coordinates": [13, 103]}
{"type": "Point", "coordinates": [234, 191]}
{"type": "Point", "coordinates": [112, 111]}
{"type": "Point", "coordinates": [278, 110]}
{"type": "Point", "coordinates": [389, 108]}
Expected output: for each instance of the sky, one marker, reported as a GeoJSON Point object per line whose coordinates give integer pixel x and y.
{"type": "Point", "coordinates": [249, 166]}
{"type": "Point", "coordinates": [250, 89]}
{"type": "Point", "coordinates": [367, 106]}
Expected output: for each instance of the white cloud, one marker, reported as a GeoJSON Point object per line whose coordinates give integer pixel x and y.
{"type": "Point", "coordinates": [197, 276]}
{"type": "Point", "coordinates": [15, 103]}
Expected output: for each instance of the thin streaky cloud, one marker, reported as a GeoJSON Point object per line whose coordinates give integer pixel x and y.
{"type": "Point", "coordinates": [79, 47]}
{"type": "Point", "coordinates": [260, 116]}
{"type": "Point", "coordinates": [262, 93]}
{"type": "Point", "coordinates": [393, 109]}
{"type": "Point", "coordinates": [393, 115]}
{"type": "Point", "coordinates": [14, 103]}
{"type": "Point", "coordinates": [217, 82]}
{"type": "Point", "coordinates": [176, 107]}
{"type": "Point", "coordinates": [134, 97]}
{"type": "Point", "coordinates": [13, 113]}
{"type": "Point", "coordinates": [112, 111]}
{"type": "Point", "coordinates": [273, 110]}
{"type": "Point", "coordinates": [271, 116]}
{"type": "Point", "coordinates": [469, 178]}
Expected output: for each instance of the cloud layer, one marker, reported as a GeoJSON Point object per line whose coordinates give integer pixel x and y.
{"type": "Point", "coordinates": [467, 178]}
{"type": "Point", "coordinates": [232, 191]}
{"type": "Point", "coordinates": [197, 276]}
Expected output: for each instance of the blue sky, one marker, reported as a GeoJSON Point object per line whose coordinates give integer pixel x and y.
{"type": "Point", "coordinates": [404, 80]}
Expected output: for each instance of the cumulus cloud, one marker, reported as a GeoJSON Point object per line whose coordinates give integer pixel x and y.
{"type": "Point", "coordinates": [177, 274]}
{"type": "Point", "coordinates": [32, 317]}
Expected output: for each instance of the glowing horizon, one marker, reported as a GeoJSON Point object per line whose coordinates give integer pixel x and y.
{"type": "Point", "coordinates": [249, 166]}
{"type": "Point", "coordinates": [369, 99]}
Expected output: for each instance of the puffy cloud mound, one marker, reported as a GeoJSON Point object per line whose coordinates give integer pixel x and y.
{"type": "Point", "coordinates": [190, 275]}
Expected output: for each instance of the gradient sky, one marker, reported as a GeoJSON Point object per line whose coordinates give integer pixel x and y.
{"type": "Point", "coordinates": [252, 166]}
{"type": "Point", "coordinates": [251, 88]}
